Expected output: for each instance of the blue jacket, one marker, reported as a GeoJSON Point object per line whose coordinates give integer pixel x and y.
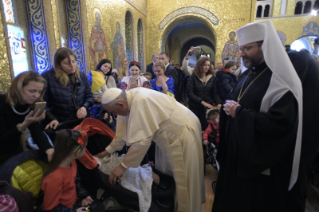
{"type": "Point", "coordinates": [59, 98]}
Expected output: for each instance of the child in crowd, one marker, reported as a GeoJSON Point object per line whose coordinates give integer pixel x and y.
{"type": "Point", "coordinates": [61, 184]}
{"type": "Point", "coordinates": [148, 76]}
{"type": "Point", "coordinates": [211, 134]}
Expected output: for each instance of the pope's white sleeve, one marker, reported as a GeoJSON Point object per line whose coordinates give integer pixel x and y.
{"type": "Point", "coordinates": [136, 153]}
{"type": "Point", "coordinates": [115, 145]}
{"type": "Point", "coordinates": [188, 71]}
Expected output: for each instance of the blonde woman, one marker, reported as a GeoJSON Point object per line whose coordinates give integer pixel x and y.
{"type": "Point", "coordinates": [162, 83]}
{"type": "Point", "coordinates": [17, 115]}
{"type": "Point", "coordinates": [120, 70]}
{"type": "Point", "coordinates": [68, 92]}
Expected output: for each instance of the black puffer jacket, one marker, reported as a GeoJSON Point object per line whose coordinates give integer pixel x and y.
{"type": "Point", "coordinates": [59, 98]}
{"type": "Point", "coordinates": [198, 92]}
{"type": "Point", "coordinates": [225, 83]}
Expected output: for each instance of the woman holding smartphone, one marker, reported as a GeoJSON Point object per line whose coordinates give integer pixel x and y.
{"type": "Point", "coordinates": [68, 92]}
{"type": "Point", "coordinates": [17, 115]}
{"type": "Point", "coordinates": [134, 80]}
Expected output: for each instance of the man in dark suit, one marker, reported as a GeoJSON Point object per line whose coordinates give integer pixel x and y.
{"type": "Point", "coordinates": [149, 67]}
{"type": "Point", "coordinates": [171, 71]}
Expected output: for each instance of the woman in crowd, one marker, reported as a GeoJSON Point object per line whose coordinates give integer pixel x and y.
{"type": "Point", "coordinates": [120, 70]}
{"type": "Point", "coordinates": [134, 80]}
{"type": "Point", "coordinates": [61, 185]}
{"type": "Point", "coordinates": [226, 80]}
{"type": "Point", "coordinates": [68, 93]}
{"type": "Point", "coordinates": [16, 115]}
{"type": "Point", "coordinates": [162, 83]}
{"type": "Point", "coordinates": [202, 90]}
{"type": "Point", "coordinates": [101, 79]}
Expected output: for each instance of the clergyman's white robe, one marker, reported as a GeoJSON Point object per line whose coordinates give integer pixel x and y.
{"type": "Point", "coordinates": [157, 117]}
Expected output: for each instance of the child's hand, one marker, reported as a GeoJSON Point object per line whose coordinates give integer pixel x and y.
{"type": "Point", "coordinates": [81, 209]}
{"type": "Point", "coordinates": [88, 200]}
{"type": "Point", "coordinates": [205, 142]}
{"type": "Point", "coordinates": [106, 115]}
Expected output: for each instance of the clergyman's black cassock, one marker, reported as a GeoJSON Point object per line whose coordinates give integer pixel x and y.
{"type": "Point", "coordinates": [308, 71]}
{"type": "Point", "coordinates": [253, 142]}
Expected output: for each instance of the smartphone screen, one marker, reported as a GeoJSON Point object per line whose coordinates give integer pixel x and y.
{"type": "Point", "coordinates": [133, 81]}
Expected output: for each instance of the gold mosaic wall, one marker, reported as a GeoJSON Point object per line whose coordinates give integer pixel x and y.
{"type": "Point", "coordinates": [291, 26]}
{"type": "Point", "coordinates": [231, 14]}
{"type": "Point", "coordinates": [276, 7]}
{"type": "Point", "coordinates": [112, 12]}
{"type": "Point", "coordinates": [5, 73]}
{"type": "Point", "coordinates": [291, 4]}
{"type": "Point", "coordinates": [49, 25]}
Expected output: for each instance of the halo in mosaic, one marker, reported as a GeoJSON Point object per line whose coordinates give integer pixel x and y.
{"type": "Point", "coordinates": [188, 10]}
{"type": "Point", "coordinates": [311, 29]}
{"type": "Point", "coordinates": [75, 31]}
{"type": "Point", "coordinates": [38, 36]}
{"type": "Point", "coordinates": [140, 43]}
{"type": "Point", "coordinates": [129, 36]}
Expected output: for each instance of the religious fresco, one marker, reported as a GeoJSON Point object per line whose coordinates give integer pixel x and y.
{"type": "Point", "coordinates": [282, 37]}
{"type": "Point", "coordinates": [118, 43]}
{"type": "Point", "coordinates": [129, 37]}
{"type": "Point", "coordinates": [98, 48]}
{"type": "Point", "coordinates": [311, 29]}
{"type": "Point", "coordinates": [231, 48]}
{"type": "Point", "coordinates": [140, 44]}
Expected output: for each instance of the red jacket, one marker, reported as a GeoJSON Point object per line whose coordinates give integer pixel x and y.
{"type": "Point", "coordinates": [209, 130]}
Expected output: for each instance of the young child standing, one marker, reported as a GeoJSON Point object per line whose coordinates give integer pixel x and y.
{"type": "Point", "coordinates": [61, 185]}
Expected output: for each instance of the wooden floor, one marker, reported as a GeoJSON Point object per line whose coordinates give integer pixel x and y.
{"type": "Point", "coordinates": [210, 175]}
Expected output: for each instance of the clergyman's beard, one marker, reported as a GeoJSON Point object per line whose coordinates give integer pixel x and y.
{"type": "Point", "coordinates": [253, 62]}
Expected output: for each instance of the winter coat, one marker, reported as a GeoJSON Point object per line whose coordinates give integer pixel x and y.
{"type": "Point", "coordinates": [197, 91]}
{"type": "Point", "coordinates": [59, 98]}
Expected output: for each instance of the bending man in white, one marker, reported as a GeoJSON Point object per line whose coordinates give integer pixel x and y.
{"type": "Point", "coordinates": [145, 115]}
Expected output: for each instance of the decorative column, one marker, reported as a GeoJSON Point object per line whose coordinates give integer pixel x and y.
{"type": "Point", "coordinates": [75, 31]}
{"type": "Point", "coordinates": [38, 36]}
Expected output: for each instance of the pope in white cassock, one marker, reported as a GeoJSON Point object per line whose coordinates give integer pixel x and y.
{"type": "Point", "coordinates": [145, 115]}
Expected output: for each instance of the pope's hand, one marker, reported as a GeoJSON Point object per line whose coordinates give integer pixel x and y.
{"type": "Point", "coordinates": [116, 174]}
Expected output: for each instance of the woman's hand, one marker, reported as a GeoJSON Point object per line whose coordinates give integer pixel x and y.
{"type": "Point", "coordinates": [81, 209]}
{"type": "Point", "coordinates": [134, 85]}
{"type": "Point", "coordinates": [161, 80]}
{"type": "Point", "coordinates": [31, 118]}
{"type": "Point", "coordinates": [191, 50]}
{"type": "Point", "coordinates": [207, 105]}
{"type": "Point", "coordinates": [53, 125]}
{"type": "Point", "coordinates": [49, 153]}
{"type": "Point", "coordinates": [106, 115]}
{"type": "Point", "coordinates": [88, 200]}
{"type": "Point", "coordinates": [116, 174]}
{"type": "Point", "coordinates": [219, 106]}
{"type": "Point", "coordinates": [81, 113]}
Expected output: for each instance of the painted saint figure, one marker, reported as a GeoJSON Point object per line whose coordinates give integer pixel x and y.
{"type": "Point", "coordinates": [231, 49]}
{"type": "Point", "coordinates": [98, 49]}
{"type": "Point", "coordinates": [118, 43]}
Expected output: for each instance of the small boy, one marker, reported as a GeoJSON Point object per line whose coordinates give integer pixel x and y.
{"type": "Point", "coordinates": [211, 134]}
{"type": "Point", "coordinates": [148, 76]}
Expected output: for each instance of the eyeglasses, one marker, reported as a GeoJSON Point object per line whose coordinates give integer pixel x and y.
{"type": "Point", "coordinates": [246, 49]}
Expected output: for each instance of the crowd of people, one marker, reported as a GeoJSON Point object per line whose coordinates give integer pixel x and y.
{"type": "Point", "coordinates": [259, 115]}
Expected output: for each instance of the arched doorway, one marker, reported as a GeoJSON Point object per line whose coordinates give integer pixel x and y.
{"type": "Point", "coordinates": [184, 29]}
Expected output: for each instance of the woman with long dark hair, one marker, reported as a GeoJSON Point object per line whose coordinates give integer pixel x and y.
{"type": "Point", "coordinates": [202, 90]}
